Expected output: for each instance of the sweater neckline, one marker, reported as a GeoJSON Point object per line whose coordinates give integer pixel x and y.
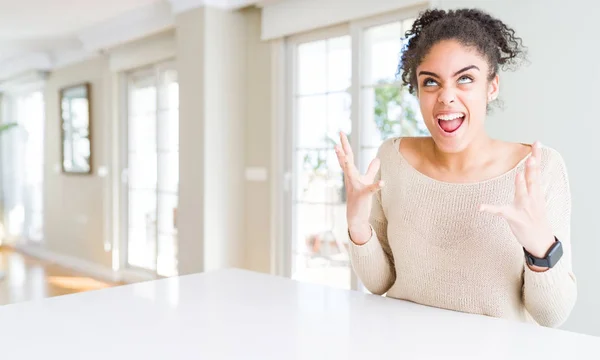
{"type": "Point", "coordinates": [503, 176]}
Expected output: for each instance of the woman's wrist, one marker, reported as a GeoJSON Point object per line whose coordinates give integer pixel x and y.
{"type": "Point", "coordinates": [540, 250]}
{"type": "Point", "coordinates": [360, 233]}
{"type": "Point", "coordinates": [541, 246]}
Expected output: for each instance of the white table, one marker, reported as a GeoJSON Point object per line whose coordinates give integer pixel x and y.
{"type": "Point", "coordinates": [236, 314]}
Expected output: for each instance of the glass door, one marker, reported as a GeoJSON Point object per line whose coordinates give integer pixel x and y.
{"type": "Point", "coordinates": [341, 79]}
{"type": "Point", "coordinates": [321, 109]}
{"type": "Point", "coordinates": [152, 169]}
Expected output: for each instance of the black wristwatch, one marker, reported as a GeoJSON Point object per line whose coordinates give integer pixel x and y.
{"type": "Point", "coordinates": [552, 256]}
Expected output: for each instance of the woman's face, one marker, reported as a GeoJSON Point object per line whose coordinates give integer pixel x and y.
{"type": "Point", "coordinates": [453, 91]}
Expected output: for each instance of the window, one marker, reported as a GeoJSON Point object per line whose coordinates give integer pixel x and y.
{"type": "Point", "coordinates": [387, 108]}
{"type": "Point", "coordinates": [153, 169]}
{"type": "Point", "coordinates": [341, 79]}
{"type": "Point", "coordinates": [322, 109]}
{"type": "Point", "coordinates": [23, 167]}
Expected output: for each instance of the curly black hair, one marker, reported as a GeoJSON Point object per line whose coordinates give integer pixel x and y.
{"type": "Point", "coordinates": [471, 27]}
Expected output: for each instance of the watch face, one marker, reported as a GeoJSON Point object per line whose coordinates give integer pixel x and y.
{"type": "Point", "coordinates": [555, 254]}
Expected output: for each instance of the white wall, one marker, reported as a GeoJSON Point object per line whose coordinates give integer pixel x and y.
{"type": "Point", "coordinates": [190, 67]}
{"type": "Point", "coordinates": [224, 132]}
{"type": "Point", "coordinates": [211, 61]}
{"type": "Point", "coordinates": [258, 145]}
{"type": "Point", "coordinates": [75, 205]}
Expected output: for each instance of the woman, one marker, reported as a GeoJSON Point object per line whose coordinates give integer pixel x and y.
{"type": "Point", "coordinates": [460, 220]}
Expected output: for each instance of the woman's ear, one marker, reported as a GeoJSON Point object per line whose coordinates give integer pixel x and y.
{"type": "Point", "coordinates": [493, 88]}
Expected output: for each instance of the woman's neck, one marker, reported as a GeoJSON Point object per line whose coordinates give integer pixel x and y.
{"type": "Point", "coordinates": [475, 155]}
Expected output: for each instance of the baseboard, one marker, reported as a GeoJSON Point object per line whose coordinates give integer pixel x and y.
{"type": "Point", "coordinates": [84, 267]}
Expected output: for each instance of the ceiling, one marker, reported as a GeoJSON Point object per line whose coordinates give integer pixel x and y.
{"type": "Point", "coordinates": [48, 33]}
{"type": "Point", "coordinates": [34, 19]}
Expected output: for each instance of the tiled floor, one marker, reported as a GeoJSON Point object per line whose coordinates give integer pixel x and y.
{"type": "Point", "coordinates": [26, 279]}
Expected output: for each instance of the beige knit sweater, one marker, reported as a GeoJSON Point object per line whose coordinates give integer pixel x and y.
{"type": "Point", "coordinates": [431, 245]}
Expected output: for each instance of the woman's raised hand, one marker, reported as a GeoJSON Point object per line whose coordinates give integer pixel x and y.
{"type": "Point", "coordinates": [359, 191]}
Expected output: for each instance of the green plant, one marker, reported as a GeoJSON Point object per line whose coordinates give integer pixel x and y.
{"type": "Point", "coordinates": [8, 126]}
{"type": "Point", "coordinates": [395, 113]}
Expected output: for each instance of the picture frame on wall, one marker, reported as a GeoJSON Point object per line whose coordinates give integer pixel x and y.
{"type": "Point", "coordinates": [76, 124]}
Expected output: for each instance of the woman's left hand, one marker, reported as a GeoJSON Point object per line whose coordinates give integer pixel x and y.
{"type": "Point", "coordinates": [526, 216]}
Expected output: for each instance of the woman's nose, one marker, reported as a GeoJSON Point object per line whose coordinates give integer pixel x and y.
{"type": "Point", "coordinates": [446, 97]}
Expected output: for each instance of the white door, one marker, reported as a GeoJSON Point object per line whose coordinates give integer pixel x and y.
{"type": "Point", "coordinates": [152, 169]}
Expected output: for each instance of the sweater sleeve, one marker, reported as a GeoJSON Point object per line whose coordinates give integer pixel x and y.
{"type": "Point", "coordinates": [373, 261]}
{"type": "Point", "coordinates": [549, 296]}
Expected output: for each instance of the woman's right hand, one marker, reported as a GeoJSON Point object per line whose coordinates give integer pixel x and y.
{"type": "Point", "coordinates": [359, 191]}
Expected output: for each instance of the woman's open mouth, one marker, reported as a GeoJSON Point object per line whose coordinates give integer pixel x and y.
{"type": "Point", "coordinates": [449, 123]}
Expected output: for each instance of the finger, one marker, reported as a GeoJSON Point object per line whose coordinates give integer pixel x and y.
{"type": "Point", "coordinates": [340, 156]}
{"type": "Point", "coordinates": [372, 169]}
{"type": "Point", "coordinates": [347, 148]}
{"type": "Point", "coordinates": [520, 187]}
{"type": "Point", "coordinates": [531, 176]}
{"type": "Point", "coordinates": [537, 151]}
{"type": "Point", "coordinates": [350, 171]}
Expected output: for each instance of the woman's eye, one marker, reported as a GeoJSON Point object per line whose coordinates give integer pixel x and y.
{"type": "Point", "coordinates": [429, 82]}
{"type": "Point", "coordinates": [465, 80]}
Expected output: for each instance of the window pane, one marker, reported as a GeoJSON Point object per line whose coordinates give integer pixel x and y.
{"type": "Point", "coordinates": [142, 208]}
{"type": "Point", "coordinates": [168, 134]}
{"type": "Point", "coordinates": [142, 228]}
{"type": "Point", "coordinates": [389, 111]}
{"type": "Point", "coordinates": [168, 90]}
{"type": "Point", "coordinates": [143, 170]}
{"type": "Point", "coordinates": [141, 248]}
{"type": "Point", "coordinates": [320, 252]}
{"type": "Point", "coordinates": [367, 155]}
{"type": "Point", "coordinates": [338, 116]}
{"type": "Point", "coordinates": [312, 121]}
{"type": "Point", "coordinates": [168, 173]}
{"type": "Point", "coordinates": [142, 132]}
{"type": "Point", "coordinates": [383, 46]}
{"type": "Point", "coordinates": [142, 95]}
{"type": "Point", "coordinates": [339, 63]}
{"type": "Point", "coordinates": [319, 177]}
{"type": "Point", "coordinates": [166, 213]}
{"type": "Point", "coordinates": [312, 68]}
